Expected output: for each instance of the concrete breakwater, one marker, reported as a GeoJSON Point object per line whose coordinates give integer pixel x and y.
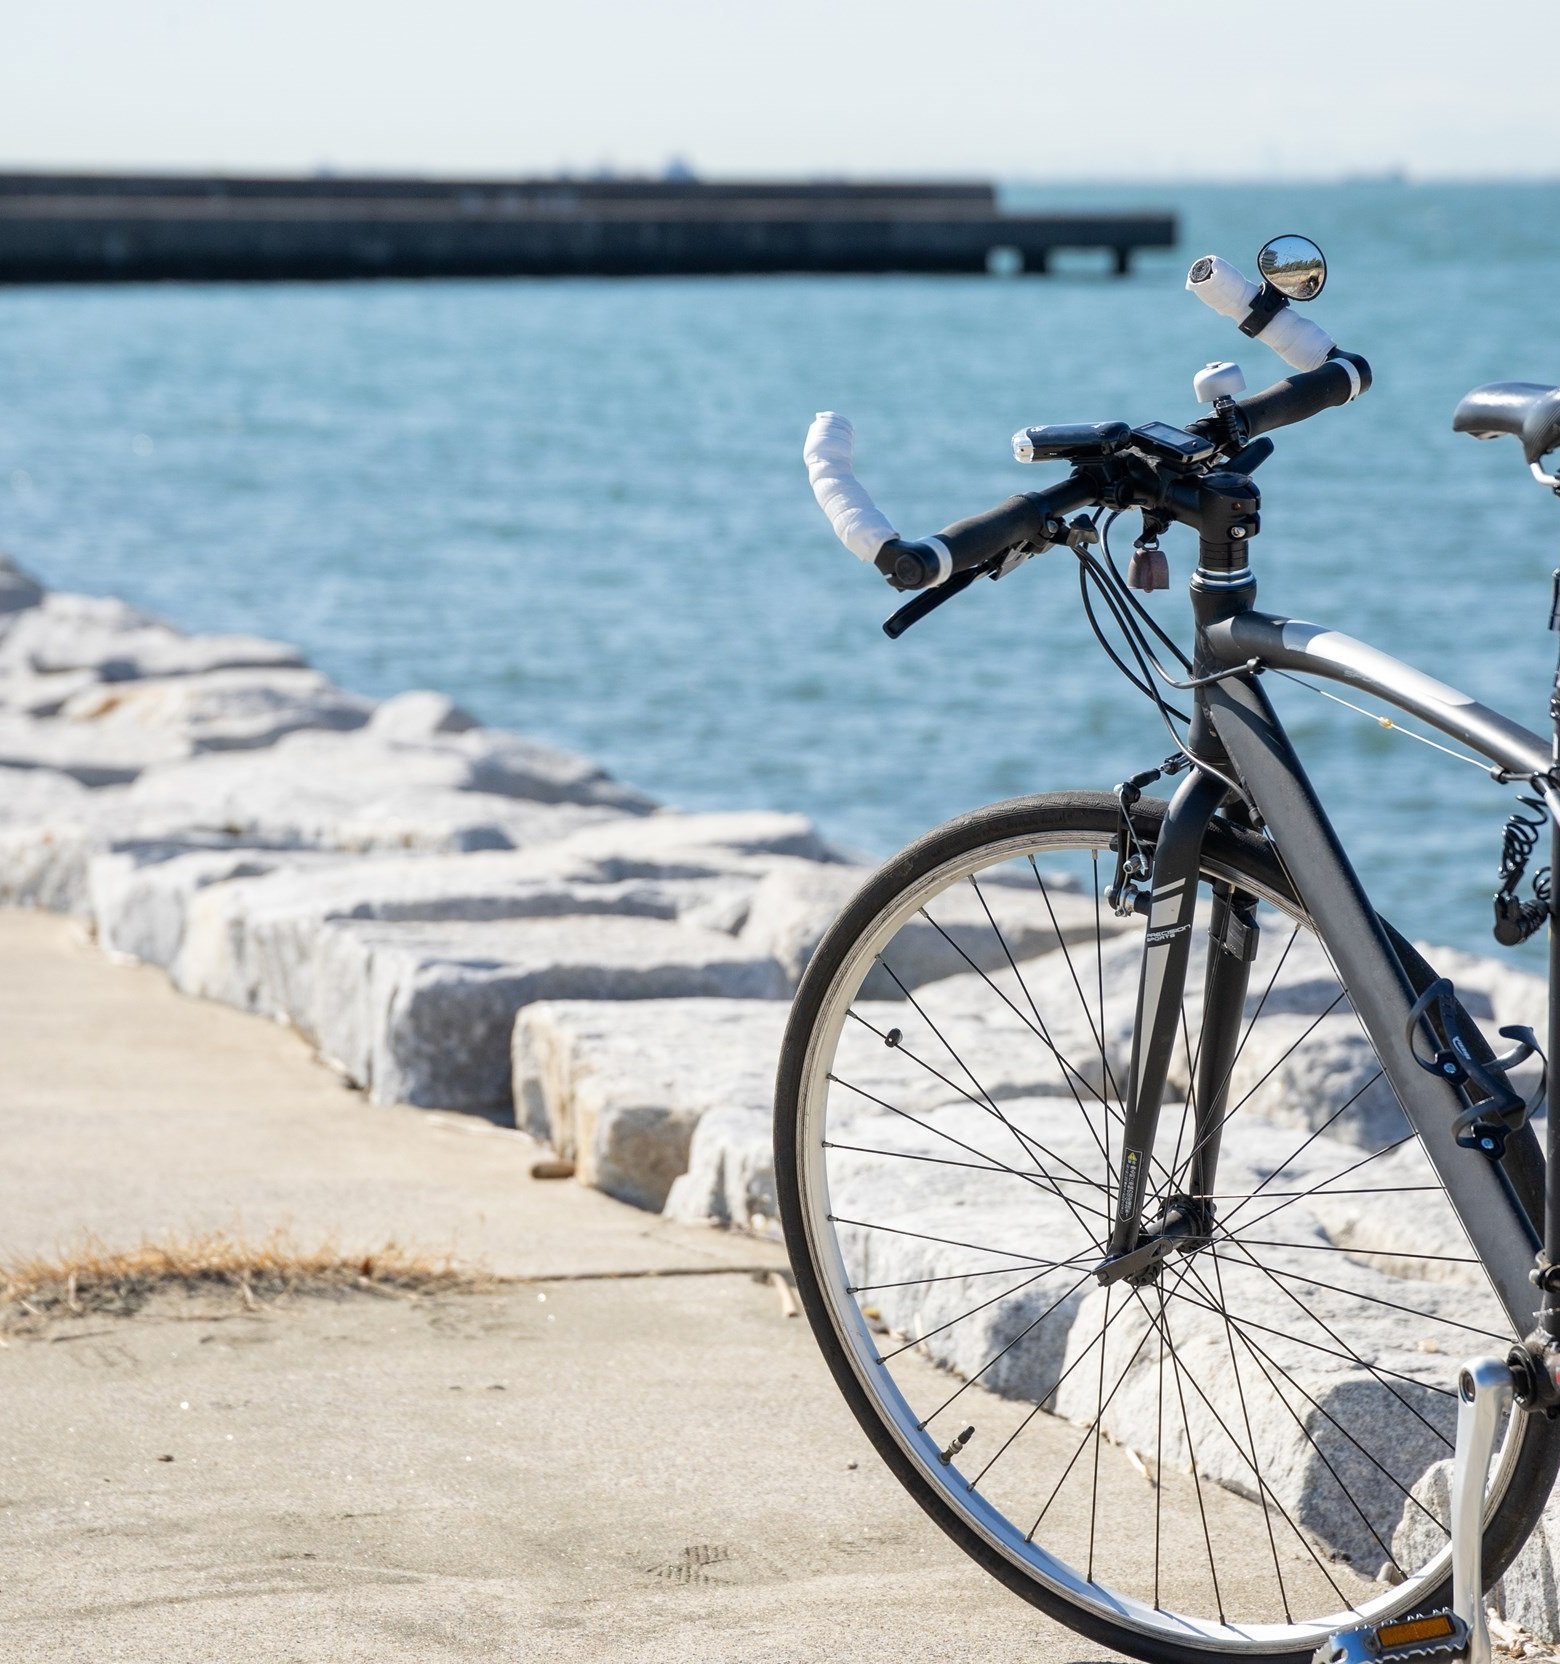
{"type": "Point", "coordinates": [95, 228]}
{"type": "Point", "coordinates": [462, 918]}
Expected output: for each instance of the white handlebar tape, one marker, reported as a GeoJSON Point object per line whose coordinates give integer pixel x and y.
{"type": "Point", "coordinates": [858, 522]}
{"type": "Point", "coordinates": [1302, 344]}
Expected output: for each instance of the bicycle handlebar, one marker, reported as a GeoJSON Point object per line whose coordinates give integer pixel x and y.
{"type": "Point", "coordinates": [1301, 342]}
{"type": "Point", "coordinates": [1325, 377]}
{"type": "Point", "coordinates": [1337, 380]}
{"type": "Point", "coordinates": [1015, 524]}
{"type": "Point", "coordinates": [829, 453]}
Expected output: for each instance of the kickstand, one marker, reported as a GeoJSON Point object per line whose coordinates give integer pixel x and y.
{"type": "Point", "coordinates": [1484, 1389]}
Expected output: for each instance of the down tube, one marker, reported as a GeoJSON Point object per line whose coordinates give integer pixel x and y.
{"type": "Point", "coordinates": [1378, 985]}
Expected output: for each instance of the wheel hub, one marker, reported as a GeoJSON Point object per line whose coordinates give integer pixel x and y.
{"type": "Point", "coordinates": [1184, 1225]}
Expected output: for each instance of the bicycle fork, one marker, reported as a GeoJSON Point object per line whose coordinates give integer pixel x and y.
{"type": "Point", "coordinates": [1136, 1248]}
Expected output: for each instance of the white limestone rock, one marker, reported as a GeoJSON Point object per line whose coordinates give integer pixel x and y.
{"type": "Point", "coordinates": [359, 791]}
{"type": "Point", "coordinates": [32, 693]}
{"type": "Point", "coordinates": [795, 905]}
{"type": "Point", "coordinates": [46, 851]}
{"type": "Point", "coordinates": [221, 710]}
{"type": "Point", "coordinates": [118, 642]}
{"type": "Point", "coordinates": [618, 1088]}
{"type": "Point", "coordinates": [254, 944]}
{"type": "Point", "coordinates": [140, 895]}
{"type": "Point", "coordinates": [730, 1176]}
{"type": "Point", "coordinates": [87, 755]}
{"type": "Point", "coordinates": [31, 796]}
{"type": "Point", "coordinates": [47, 862]}
{"type": "Point", "coordinates": [696, 845]}
{"type": "Point", "coordinates": [422, 1013]}
{"type": "Point", "coordinates": [418, 715]}
{"type": "Point", "coordinates": [512, 765]}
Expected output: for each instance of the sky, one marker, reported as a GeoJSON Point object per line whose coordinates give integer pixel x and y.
{"type": "Point", "coordinates": [1021, 89]}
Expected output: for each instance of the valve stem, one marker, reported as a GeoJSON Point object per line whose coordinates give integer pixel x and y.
{"type": "Point", "coordinates": [946, 1456]}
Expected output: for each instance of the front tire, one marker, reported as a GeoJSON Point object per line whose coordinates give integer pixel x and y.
{"type": "Point", "coordinates": [944, 1166]}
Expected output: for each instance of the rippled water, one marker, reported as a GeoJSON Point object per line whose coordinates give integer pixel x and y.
{"type": "Point", "coordinates": [579, 506]}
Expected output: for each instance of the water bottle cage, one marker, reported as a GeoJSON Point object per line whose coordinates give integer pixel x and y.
{"type": "Point", "coordinates": [1501, 1110]}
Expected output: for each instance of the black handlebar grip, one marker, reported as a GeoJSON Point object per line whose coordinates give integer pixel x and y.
{"type": "Point", "coordinates": [980, 538]}
{"type": "Point", "coordinates": [1342, 377]}
{"type": "Point", "coordinates": [983, 537]}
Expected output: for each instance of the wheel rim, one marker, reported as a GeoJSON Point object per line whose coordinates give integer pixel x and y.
{"type": "Point", "coordinates": [1288, 1590]}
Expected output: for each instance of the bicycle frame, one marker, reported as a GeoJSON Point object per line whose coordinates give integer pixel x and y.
{"type": "Point", "coordinates": [1236, 730]}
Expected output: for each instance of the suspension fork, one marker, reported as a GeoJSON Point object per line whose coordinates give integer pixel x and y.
{"type": "Point", "coordinates": [1162, 982]}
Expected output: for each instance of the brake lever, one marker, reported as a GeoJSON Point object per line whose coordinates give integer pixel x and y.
{"type": "Point", "coordinates": [928, 601]}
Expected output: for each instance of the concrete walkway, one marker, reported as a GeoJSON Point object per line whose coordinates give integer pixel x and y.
{"type": "Point", "coordinates": [621, 1467]}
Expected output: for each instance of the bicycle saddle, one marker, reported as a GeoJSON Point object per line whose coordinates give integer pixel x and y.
{"type": "Point", "coordinates": [1527, 410]}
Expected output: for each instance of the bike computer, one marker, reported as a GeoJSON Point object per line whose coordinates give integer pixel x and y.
{"type": "Point", "coordinates": [1160, 439]}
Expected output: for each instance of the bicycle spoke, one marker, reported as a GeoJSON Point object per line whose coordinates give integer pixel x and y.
{"type": "Point", "coordinates": [1263, 1487]}
{"type": "Point", "coordinates": [1045, 1034]}
{"type": "Point", "coordinates": [1328, 1331]}
{"type": "Point", "coordinates": [967, 1276]}
{"type": "Point", "coordinates": [1159, 1451]}
{"type": "Point", "coordinates": [1376, 1253]}
{"type": "Point", "coordinates": [1305, 1432]}
{"type": "Point", "coordinates": [924, 1236]}
{"type": "Point", "coordinates": [1105, 1075]}
{"type": "Point", "coordinates": [1372, 1299]}
{"type": "Point", "coordinates": [1002, 1352]}
{"type": "Point", "coordinates": [993, 1164]}
{"type": "Point", "coordinates": [1321, 1185]}
{"type": "Point", "coordinates": [1242, 1326]}
{"type": "Point", "coordinates": [1251, 1443]}
{"type": "Point", "coordinates": [1110, 1079]}
{"type": "Point", "coordinates": [985, 1305]}
{"type": "Point", "coordinates": [1325, 1188]}
{"type": "Point", "coordinates": [985, 1102]}
{"type": "Point", "coordinates": [1168, 1343]}
{"type": "Point", "coordinates": [1099, 1412]}
{"type": "Point", "coordinates": [1045, 1189]}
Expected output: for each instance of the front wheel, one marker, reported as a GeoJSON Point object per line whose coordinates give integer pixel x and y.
{"type": "Point", "coordinates": [1247, 1448]}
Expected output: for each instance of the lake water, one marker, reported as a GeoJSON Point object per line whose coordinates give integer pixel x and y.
{"type": "Point", "coordinates": [580, 507]}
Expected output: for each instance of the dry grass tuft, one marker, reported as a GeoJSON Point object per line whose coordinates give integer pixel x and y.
{"type": "Point", "coordinates": [110, 1282]}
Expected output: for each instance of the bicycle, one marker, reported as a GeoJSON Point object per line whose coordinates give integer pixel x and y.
{"type": "Point", "coordinates": [1138, 1280]}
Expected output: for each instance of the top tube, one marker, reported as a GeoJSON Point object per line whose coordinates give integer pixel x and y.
{"type": "Point", "coordinates": [1292, 644]}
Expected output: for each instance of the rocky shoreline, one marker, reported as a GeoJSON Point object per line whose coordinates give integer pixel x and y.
{"type": "Point", "coordinates": [461, 918]}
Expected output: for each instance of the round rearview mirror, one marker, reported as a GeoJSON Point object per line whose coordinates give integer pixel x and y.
{"type": "Point", "coordinates": [1294, 266]}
